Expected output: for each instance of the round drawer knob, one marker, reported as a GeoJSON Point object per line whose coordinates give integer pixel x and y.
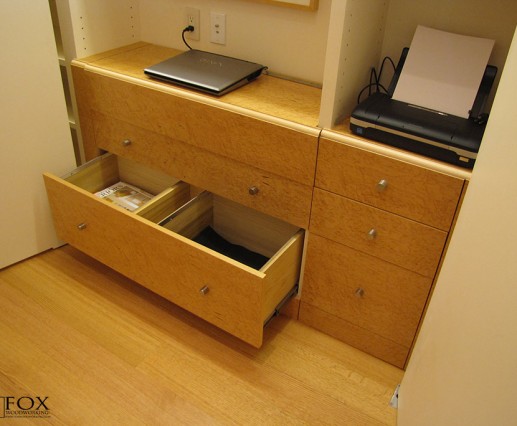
{"type": "Point", "coordinates": [81, 226]}
{"type": "Point", "coordinates": [382, 185]}
{"type": "Point", "coordinates": [372, 234]}
{"type": "Point", "coordinates": [253, 190]}
{"type": "Point", "coordinates": [359, 293]}
{"type": "Point", "coordinates": [126, 142]}
{"type": "Point", "coordinates": [204, 290]}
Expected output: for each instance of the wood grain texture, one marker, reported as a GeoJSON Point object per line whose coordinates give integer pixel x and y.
{"type": "Point", "coordinates": [414, 192]}
{"type": "Point", "coordinates": [232, 135]}
{"type": "Point", "coordinates": [277, 196]}
{"type": "Point", "coordinates": [398, 240]}
{"type": "Point", "coordinates": [354, 335]}
{"type": "Point", "coordinates": [172, 265]}
{"type": "Point", "coordinates": [390, 301]}
{"type": "Point", "coordinates": [341, 132]}
{"type": "Point", "coordinates": [107, 351]}
{"type": "Point", "coordinates": [164, 203]}
{"type": "Point", "coordinates": [269, 95]}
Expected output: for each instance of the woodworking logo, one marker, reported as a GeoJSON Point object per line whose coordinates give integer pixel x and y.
{"type": "Point", "coordinates": [24, 406]}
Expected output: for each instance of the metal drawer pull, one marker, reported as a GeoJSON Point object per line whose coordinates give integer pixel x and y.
{"type": "Point", "coordinates": [204, 290]}
{"type": "Point", "coordinates": [382, 185]}
{"type": "Point", "coordinates": [359, 293]}
{"type": "Point", "coordinates": [372, 234]}
{"type": "Point", "coordinates": [253, 190]}
{"type": "Point", "coordinates": [81, 226]}
{"type": "Point", "coordinates": [126, 142]}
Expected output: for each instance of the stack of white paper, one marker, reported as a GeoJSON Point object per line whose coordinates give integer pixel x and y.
{"type": "Point", "coordinates": [443, 71]}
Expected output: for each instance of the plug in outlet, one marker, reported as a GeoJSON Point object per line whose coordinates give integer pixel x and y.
{"type": "Point", "coordinates": [217, 28]}
{"type": "Point", "coordinates": [192, 18]}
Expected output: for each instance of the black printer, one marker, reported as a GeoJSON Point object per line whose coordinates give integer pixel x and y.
{"type": "Point", "coordinates": [442, 136]}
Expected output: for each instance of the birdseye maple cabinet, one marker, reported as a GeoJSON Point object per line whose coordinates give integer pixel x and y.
{"type": "Point", "coordinates": [356, 231]}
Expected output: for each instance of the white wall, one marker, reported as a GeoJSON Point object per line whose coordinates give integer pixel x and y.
{"type": "Point", "coordinates": [34, 132]}
{"type": "Point", "coordinates": [463, 370]}
{"type": "Point", "coordinates": [289, 41]}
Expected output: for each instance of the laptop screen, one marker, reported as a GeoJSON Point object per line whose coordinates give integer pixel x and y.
{"type": "Point", "coordinates": [205, 71]}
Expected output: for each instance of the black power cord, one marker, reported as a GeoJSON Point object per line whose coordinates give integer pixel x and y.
{"type": "Point", "coordinates": [375, 80]}
{"type": "Point", "coordinates": [188, 29]}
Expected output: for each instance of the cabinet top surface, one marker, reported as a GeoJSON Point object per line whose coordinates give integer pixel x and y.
{"type": "Point", "coordinates": [294, 104]}
{"type": "Point", "coordinates": [276, 97]}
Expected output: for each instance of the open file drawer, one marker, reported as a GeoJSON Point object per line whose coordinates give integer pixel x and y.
{"type": "Point", "coordinates": [223, 291]}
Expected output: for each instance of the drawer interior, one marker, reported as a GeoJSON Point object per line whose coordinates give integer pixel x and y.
{"type": "Point", "coordinates": [166, 193]}
{"type": "Point", "coordinates": [243, 234]}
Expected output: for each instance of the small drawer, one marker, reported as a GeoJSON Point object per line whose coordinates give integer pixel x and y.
{"type": "Point", "coordinates": [372, 294]}
{"type": "Point", "coordinates": [223, 291]}
{"type": "Point", "coordinates": [417, 193]}
{"type": "Point", "coordinates": [398, 240]}
{"type": "Point", "coordinates": [264, 191]}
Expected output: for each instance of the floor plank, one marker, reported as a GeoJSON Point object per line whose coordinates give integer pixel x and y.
{"type": "Point", "coordinates": [107, 351]}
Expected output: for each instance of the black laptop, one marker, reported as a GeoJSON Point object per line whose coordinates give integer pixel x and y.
{"type": "Point", "coordinates": [205, 71]}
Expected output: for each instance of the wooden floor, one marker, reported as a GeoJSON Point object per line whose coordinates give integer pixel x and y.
{"type": "Point", "coordinates": [107, 352]}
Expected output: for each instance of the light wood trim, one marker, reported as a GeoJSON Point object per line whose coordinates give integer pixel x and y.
{"type": "Point", "coordinates": [97, 174]}
{"type": "Point", "coordinates": [342, 133]}
{"type": "Point", "coordinates": [165, 203]}
{"type": "Point", "coordinates": [282, 272]}
{"type": "Point", "coordinates": [401, 241]}
{"type": "Point", "coordinates": [108, 169]}
{"type": "Point", "coordinates": [193, 217]}
{"type": "Point", "coordinates": [418, 193]}
{"type": "Point", "coordinates": [252, 229]}
{"type": "Point", "coordinates": [146, 178]}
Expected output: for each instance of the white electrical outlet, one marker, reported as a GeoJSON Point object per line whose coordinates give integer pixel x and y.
{"type": "Point", "coordinates": [217, 28]}
{"type": "Point", "coordinates": [192, 18]}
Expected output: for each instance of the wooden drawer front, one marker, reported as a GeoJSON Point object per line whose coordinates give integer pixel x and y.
{"type": "Point", "coordinates": [393, 238]}
{"type": "Point", "coordinates": [230, 295]}
{"type": "Point", "coordinates": [371, 294]}
{"type": "Point", "coordinates": [411, 191]}
{"type": "Point", "coordinates": [355, 336]}
{"type": "Point", "coordinates": [277, 196]}
{"type": "Point", "coordinates": [280, 150]}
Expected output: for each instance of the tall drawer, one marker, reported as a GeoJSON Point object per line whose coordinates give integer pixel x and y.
{"type": "Point", "coordinates": [261, 190]}
{"type": "Point", "coordinates": [231, 295]}
{"type": "Point", "coordinates": [411, 191]}
{"type": "Point", "coordinates": [237, 136]}
{"type": "Point", "coordinates": [372, 294]}
{"type": "Point", "coordinates": [398, 240]}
